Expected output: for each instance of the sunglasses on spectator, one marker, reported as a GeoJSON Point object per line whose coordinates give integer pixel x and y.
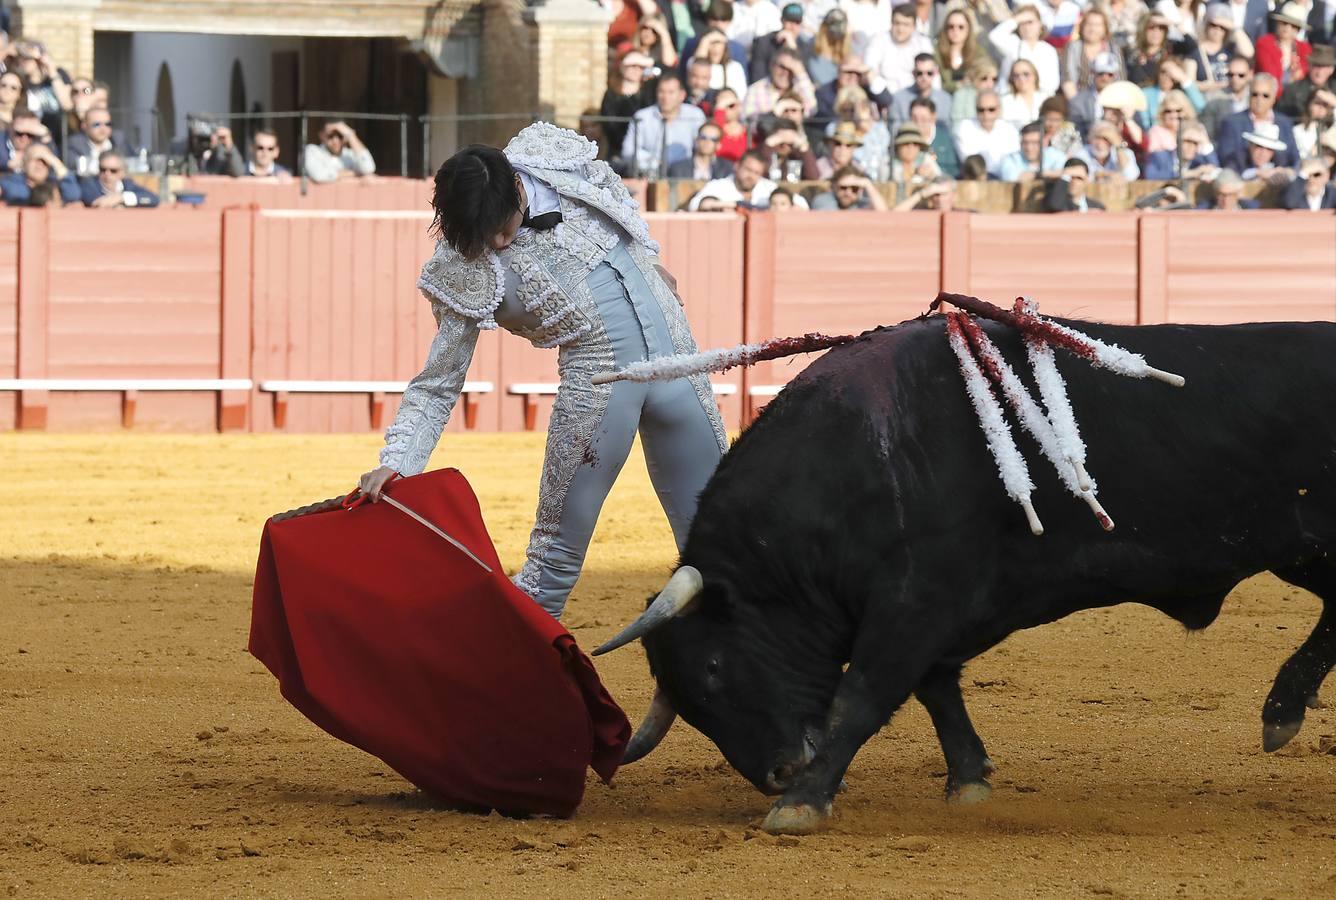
{"type": "Point", "coordinates": [725, 105]}
{"type": "Point", "coordinates": [100, 124]}
{"type": "Point", "coordinates": [1263, 96]}
{"type": "Point", "coordinates": [844, 143]}
{"type": "Point", "coordinates": [957, 26]}
{"type": "Point", "coordinates": [111, 170]}
{"type": "Point", "coordinates": [1238, 74]}
{"type": "Point", "coordinates": [1173, 112]}
{"type": "Point", "coordinates": [1156, 26]}
{"type": "Point", "coordinates": [985, 109]}
{"type": "Point", "coordinates": [848, 187]}
{"type": "Point", "coordinates": [713, 138]}
{"type": "Point", "coordinates": [926, 73]}
{"type": "Point", "coordinates": [26, 134]}
{"type": "Point", "coordinates": [268, 148]}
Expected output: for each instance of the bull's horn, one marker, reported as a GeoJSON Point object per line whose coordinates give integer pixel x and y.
{"type": "Point", "coordinates": [657, 722]}
{"type": "Point", "coordinates": [681, 589]}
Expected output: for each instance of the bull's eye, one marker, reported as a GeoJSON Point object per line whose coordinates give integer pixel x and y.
{"type": "Point", "coordinates": [712, 668]}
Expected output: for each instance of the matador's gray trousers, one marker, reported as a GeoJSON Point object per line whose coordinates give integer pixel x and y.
{"type": "Point", "coordinates": [681, 450]}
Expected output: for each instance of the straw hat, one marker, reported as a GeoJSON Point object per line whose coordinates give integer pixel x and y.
{"type": "Point", "coordinates": [909, 134]}
{"type": "Point", "coordinates": [1123, 95]}
{"type": "Point", "coordinates": [1265, 134]}
{"type": "Point", "coordinates": [846, 132]}
{"type": "Point", "coordinates": [1292, 13]}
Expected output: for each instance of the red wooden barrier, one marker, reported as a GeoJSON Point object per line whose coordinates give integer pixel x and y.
{"type": "Point", "coordinates": [837, 272]}
{"type": "Point", "coordinates": [9, 312]}
{"type": "Point", "coordinates": [1257, 266]}
{"type": "Point", "coordinates": [1080, 266]}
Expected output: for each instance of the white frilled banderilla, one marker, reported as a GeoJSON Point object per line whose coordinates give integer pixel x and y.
{"type": "Point", "coordinates": [1055, 430]}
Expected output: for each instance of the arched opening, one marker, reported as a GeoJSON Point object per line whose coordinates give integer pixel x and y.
{"type": "Point", "coordinates": [165, 103]}
{"type": "Point", "coordinates": [236, 103]}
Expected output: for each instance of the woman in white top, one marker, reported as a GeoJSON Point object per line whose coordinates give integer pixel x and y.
{"type": "Point", "coordinates": [1022, 37]}
{"type": "Point", "coordinates": [1184, 16]}
{"type": "Point", "coordinates": [725, 71]}
{"type": "Point", "coordinates": [1093, 38]}
{"type": "Point", "coordinates": [1021, 102]}
{"type": "Point", "coordinates": [867, 19]}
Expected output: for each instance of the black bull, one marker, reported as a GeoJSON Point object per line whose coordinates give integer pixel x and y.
{"type": "Point", "coordinates": [856, 545]}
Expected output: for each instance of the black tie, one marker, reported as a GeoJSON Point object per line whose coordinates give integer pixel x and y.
{"type": "Point", "coordinates": [543, 221]}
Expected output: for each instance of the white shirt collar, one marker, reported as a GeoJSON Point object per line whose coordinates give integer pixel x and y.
{"type": "Point", "coordinates": [542, 198]}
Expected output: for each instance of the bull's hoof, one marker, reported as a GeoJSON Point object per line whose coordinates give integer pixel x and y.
{"type": "Point", "coordinates": [1313, 702]}
{"type": "Point", "coordinates": [989, 768]}
{"type": "Point", "coordinates": [800, 819]}
{"type": "Point", "coordinates": [1276, 736]}
{"type": "Point", "coordinates": [969, 793]}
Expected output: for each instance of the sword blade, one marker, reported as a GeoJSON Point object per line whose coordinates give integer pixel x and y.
{"type": "Point", "coordinates": [456, 544]}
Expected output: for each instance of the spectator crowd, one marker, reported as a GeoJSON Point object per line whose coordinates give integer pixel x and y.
{"type": "Point", "coordinates": [60, 143]}
{"type": "Point", "coordinates": [752, 97]}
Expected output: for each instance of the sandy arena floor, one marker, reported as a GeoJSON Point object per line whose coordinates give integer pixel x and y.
{"type": "Point", "coordinates": [144, 752]}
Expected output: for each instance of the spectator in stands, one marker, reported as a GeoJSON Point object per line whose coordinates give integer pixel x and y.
{"type": "Point", "coordinates": [264, 157]}
{"type": "Point", "coordinates": [101, 94]}
{"type": "Point", "coordinates": [987, 135]}
{"type": "Point", "coordinates": [1312, 190]}
{"type": "Point", "coordinates": [42, 172]}
{"type": "Point", "coordinates": [840, 147]}
{"type": "Point", "coordinates": [939, 195]}
{"type": "Point", "coordinates": [982, 76]}
{"type": "Point", "coordinates": [1250, 16]}
{"type": "Point", "coordinates": [957, 49]}
{"type": "Point", "coordinates": [1022, 37]}
{"type": "Point", "coordinates": [725, 70]}
{"type": "Point", "coordinates": [728, 116]}
{"type": "Point", "coordinates": [850, 189]}
{"type": "Point", "coordinates": [81, 96]}
{"type": "Point", "coordinates": [1261, 109]}
{"type": "Point", "coordinates": [786, 74]}
{"type": "Point", "coordinates": [1197, 160]}
{"type": "Point", "coordinates": [1263, 145]}
{"type": "Point", "coordinates": [718, 18]}
{"type": "Point", "coordinates": [48, 87]}
{"type": "Point", "coordinates": [339, 155]}
{"type": "Point", "coordinates": [747, 188]}
{"type": "Point", "coordinates": [628, 94]}
{"type": "Point", "coordinates": [752, 19]}
{"type": "Point", "coordinates": [12, 98]}
{"type": "Point", "coordinates": [699, 92]}
{"type": "Point", "coordinates": [1170, 77]}
{"type": "Point", "coordinates": [925, 79]}
{"type": "Point", "coordinates": [890, 55]}
{"type": "Point", "coordinates": [1234, 99]}
{"type": "Point", "coordinates": [1219, 42]}
{"type": "Point", "coordinates": [974, 168]}
{"type": "Point", "coordinates": [789, 155]}
{"type": "Point", "coordinates": [1067, 193]}
{"type": "Point", "coordinates": [25, 130]}
{"type": "Point", "coordinates": [704, 163]}
{"type": "Point", "coordinates": [1120, 102]}
{"type": "Point", "coordinates": [868, 19]}
{"type": "Point", "coordinates": [1175, 111]}
{"type": "Point", "coordinates": [1281, 54]}
{"type": "Point", "coordinates": [1059, 18]}
{"type": "Point", "coordinates": [781, 198]}
{"type": "Point", "coordinates": [1093, 41]}
{"type": "Point", "coordinates": [1183, 16]}
{"type": "Point", "coordinates": [96, 138]}
{"type": "Point", "coordinates": [1316, 121]}
{"type": "Point", "coordinates": [1152, 45]}
{"type": "Point", "coordinates": [941, 143]}
{"type": "Point", "coordinates": [1059, 133]}
{"type": "Point", "coordinates": [1321, 65]}
{"type": "Point", "coordinates": [874, 153]}
{"type": "Point", "coordinates": [653, 40]}
{"type": "Point", "coordinates": [622, 28]}
{"type": "Point", "coordinates": [664, 133]}
{"type": "Point", "coordinates": [1106, 155]}
{"type": "Point", "coordinates": [1033, 160]}
{"type": "Point", "coordinates": [788, 37]}
{"type": "Point", "coordinates": [1084, 108]}
{"type": "Point", "coordinates": [913, 163]}
{"type": "Point", "coordinates": [1020, 104]}
{"type": "Point", "coordinates": [112, 188]}
{"type": "Point", "coordinates": [1226, 194]}
{"type": "Point", "coordinates": [1124, 16]}
{"type": "Point", "coordinates": [832, 45]}
{"type": "Point", "coordinates": [854, 74]}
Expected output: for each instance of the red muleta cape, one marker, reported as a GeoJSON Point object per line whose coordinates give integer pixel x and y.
{"type": "Point", "coordinates": [389, 638]}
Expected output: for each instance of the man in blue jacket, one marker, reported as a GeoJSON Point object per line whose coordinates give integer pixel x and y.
{"type": "Point", "coordinates": [1229, 143]}
{"type": "Point", "coordinates": [1312, 190]}
{"type": "Point", "coordinates": [111, 187]}
{"type": "Point", "coordinates": [41, 167]}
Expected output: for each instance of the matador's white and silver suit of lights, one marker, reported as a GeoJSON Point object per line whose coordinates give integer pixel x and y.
{"type": "Point", "coordinates": [590, 288]}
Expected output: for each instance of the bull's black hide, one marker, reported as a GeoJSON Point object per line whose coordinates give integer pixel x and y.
{"type": "Point", "coordinates": [861, 521]}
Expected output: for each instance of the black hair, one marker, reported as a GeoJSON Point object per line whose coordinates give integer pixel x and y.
{"type": "Point", "coordinates": [926, 57]}
{"type": "Point", "coordinates": [672, 75]}
{"type": "Point", "coordinates": [925, 102]}
{"type": "Point", "coordinates": [475, 197]}
{"type": "Point", "coordinates": [1076, 162]}
{"type": "Point", "coordinates": [719, 11]}
{"type": "Point", "coordinates": [1035, 127]}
